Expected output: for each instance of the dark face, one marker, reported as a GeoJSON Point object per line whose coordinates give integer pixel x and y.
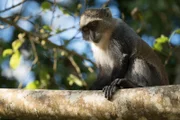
{"type": "Point", "coordinates": [91, 32]}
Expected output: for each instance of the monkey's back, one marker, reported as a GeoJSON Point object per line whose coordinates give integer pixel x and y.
{"type": "Point", "coordinates": [146, 53]}
{"type": "Point", "coordinates": [141, 56]}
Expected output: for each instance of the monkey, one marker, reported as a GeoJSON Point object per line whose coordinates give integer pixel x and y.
{"type": "Point", "coordinates": [123, 59]}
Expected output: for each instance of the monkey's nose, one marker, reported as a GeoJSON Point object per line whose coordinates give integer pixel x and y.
{"type": "Point", "coordinates": [91, 35]}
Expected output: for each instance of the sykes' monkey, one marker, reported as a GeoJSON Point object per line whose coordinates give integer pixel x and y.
{"type": "Point", "coordinates": [123, 58]}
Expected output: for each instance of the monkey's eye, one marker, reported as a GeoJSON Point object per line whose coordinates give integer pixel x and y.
{"type": "Point", "coordinates": [85, 29]}
{"type": "Point", "coordinates": [94, 24]}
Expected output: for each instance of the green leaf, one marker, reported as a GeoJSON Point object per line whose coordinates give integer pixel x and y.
{"type": "Point", "coordinates": [15, 60]}
{"type": "Point", "coordinates": [158, 47]}
{"type": "Point", "coordinates": [47, 28]}
{"type": "Point", "coordinates": [74, 80]}
{"type": "Point", "coordinates": [159, 44]}
{"type": "Point", "coordinates": [162, 39]}
{"type": "Point", "coordinates": [65, 12]}
{"type": "Point", "coordinates": [7, 52]}
{"type": "Point", "coordinates": [16, 44]}
{"type": "Point", "coordinates": [58, 31]}
{"type": "Point", "coordinates": [46, 5]}
{"type": "Point", "coordinates": [79, 6]}
{"type": "Point", "coordinates": [162, 45]}
{"type": "Point", "coordinates": [44, 78]}
{"type": "Point", "coordinates": [177, 31]}
{"type": "Point", "coordinates": [33, 85]}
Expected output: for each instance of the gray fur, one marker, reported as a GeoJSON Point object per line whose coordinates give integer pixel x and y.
{"type": "Point", "coordinates": [120, 52]}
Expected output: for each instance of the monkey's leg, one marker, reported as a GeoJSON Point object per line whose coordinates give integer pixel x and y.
{"type": "Point", "coordinates": [118, 84]}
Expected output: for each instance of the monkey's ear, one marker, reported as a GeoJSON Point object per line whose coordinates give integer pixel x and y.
{"type": "Point", "coordinates": [108, 11]}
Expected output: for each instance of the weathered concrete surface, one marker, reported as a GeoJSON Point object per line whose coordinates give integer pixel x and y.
{"type": "Point", "coordinates": [153, 103]}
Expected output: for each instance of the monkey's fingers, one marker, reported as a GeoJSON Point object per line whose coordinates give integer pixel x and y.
{"type": "Point", "coordinates": [108, 94]}
{"type": "Point", "coordinates": [105, 90]}
{"type": "Point", "coordinates": [116, 82]}
{"type": "Point", "coordinates": [109, 91]}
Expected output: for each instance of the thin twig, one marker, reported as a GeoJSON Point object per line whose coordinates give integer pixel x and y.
{"type": "Point", "coordinates": [13, 6]}
{"type": "Point", "coordinates": [55, 60]}
{"type": "Point", "coordinates": [74, 35]}
{"type": "Point", "coordinates": [75, 66]}
{"type": "Point", "coordinates": [18, 15]}
{"type": "Point", "coordinates": [7, 3]}
{"type": "Point", "coordinates": [77, 69]}
{"type": "Point", "coordinates": [106, 3]}
{"type": "Point", "coordinates": [20, 85]}
{"type": "Point", "coordinates": [34, 51]}
{"type": "Point", "coordinates": [171, 49]}
{"type": "Point", "coordinates": [53, 11]}
{"type": "Point", "coordinates": [86, 4]}
{"type": "Point", "coordinates": [31, 16]}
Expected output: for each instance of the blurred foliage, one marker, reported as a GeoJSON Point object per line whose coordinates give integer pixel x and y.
{"type": "Point", "coordinates": [155, 17]}
{"type": "Point", "coordinates": [55, 67]}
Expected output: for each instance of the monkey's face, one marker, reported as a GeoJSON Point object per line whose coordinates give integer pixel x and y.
{"type": "Point", "coordinates": [94, 22]}
{"type": "Point", "coordinates": [91, 31]}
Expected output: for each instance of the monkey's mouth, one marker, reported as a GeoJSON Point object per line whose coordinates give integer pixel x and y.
{"type": "Point", "coordinates": [95, 37]}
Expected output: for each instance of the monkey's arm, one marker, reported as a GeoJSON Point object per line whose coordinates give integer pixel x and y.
{"type": "Point", "coordinates": [105, 77]}
{"type": "Point", "coordinates": [118, 84]}
{"type": "Point", "coordinates": [124, 80]}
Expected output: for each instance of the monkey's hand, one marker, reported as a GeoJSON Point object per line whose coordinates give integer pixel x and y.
{"type": "Point", "coordinates": [118, 84]}
{"type": "Point", "coordinates": [112, 88]}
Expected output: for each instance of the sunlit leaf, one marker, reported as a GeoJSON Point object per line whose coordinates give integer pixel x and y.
{"type": "Point", "coordinates": [43, 42]}
{"type": "Point", "coordinates": [7, 52]}
{"type": "Point", "coordinates": [17, 44]}
{"type": "Point", "coordinates": [158, 47]}
{"type": "Point", "coordinates": [15, 60]}
{"type": "Point", "coordinates": [63, 53]}
{"type": "Point", "coordinates": [46, 5]}
{"type": "Point", "coordinates": [21, 35]}
{"type": "Point", "coordinates": [162, 39]}
{"type": "Point", "coordinates": [74, 80]}
{"type": "Point", "coordinates": [33, 85]}
{"type": "Point", "coordinates": [79, 6]}
{"type": "Point", "coordinates": [161, 45]}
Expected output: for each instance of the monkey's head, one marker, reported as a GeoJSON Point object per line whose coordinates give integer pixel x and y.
{"type": "Point", "coordinates": [94, 22]}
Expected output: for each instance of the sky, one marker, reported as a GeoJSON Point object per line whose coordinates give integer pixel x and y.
{"type": "Point", "coordinates": [31, 8]}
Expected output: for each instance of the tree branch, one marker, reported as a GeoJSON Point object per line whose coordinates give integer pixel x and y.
{"type": "Point", "coordinates": [48, 42]}
{"type": "Point", "coordinates": [156, 103]}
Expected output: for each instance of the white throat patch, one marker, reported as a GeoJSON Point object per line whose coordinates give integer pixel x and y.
{"type": "Point", "coordinates": [102, 53]}
{"type": "Point", "coordinates": [102, 57]}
